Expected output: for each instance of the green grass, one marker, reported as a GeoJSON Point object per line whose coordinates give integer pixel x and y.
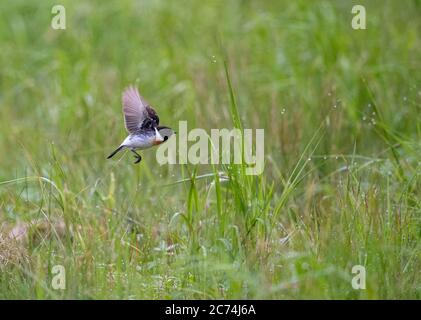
{"type": "Point", "coordinates": [341, 186]}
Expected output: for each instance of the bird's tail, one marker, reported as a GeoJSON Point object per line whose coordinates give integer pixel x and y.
{"type": "Point", "coordinates": [115, 151]}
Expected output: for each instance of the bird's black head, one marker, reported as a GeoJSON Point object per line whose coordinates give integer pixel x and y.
{"type": "Point", "coordinates": [165, 132]}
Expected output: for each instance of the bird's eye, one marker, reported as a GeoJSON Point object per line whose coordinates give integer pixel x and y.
{"type": "Point", "coordinates": [165, 138]}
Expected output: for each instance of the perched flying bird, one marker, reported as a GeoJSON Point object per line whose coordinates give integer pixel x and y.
{"type": "Point", "coordinates": [142, 123]}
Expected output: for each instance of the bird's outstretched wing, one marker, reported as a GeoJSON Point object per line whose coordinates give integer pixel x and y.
{"type": "Point", "coordinates": [138, 114]}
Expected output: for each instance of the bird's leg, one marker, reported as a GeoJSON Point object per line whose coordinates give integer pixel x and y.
{"type": "Point", "coordinates": [137, 156]}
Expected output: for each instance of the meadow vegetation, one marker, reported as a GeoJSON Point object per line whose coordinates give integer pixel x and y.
{"type": "Point", "coordinates": [341, 186]}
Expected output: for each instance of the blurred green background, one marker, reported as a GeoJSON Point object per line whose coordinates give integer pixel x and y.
{"type": "Point", "coordinates": [341, 113]}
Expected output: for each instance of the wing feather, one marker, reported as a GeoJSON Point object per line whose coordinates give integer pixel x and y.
{"type": "Point", "coordinates": [136, 110]}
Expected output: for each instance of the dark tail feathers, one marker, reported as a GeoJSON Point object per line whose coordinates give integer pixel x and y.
{"type": "Point", "coordinates": [115, 151]}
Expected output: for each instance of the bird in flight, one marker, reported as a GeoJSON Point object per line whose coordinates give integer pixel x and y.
{"type": "Point", "coordinates": [142, 123]}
